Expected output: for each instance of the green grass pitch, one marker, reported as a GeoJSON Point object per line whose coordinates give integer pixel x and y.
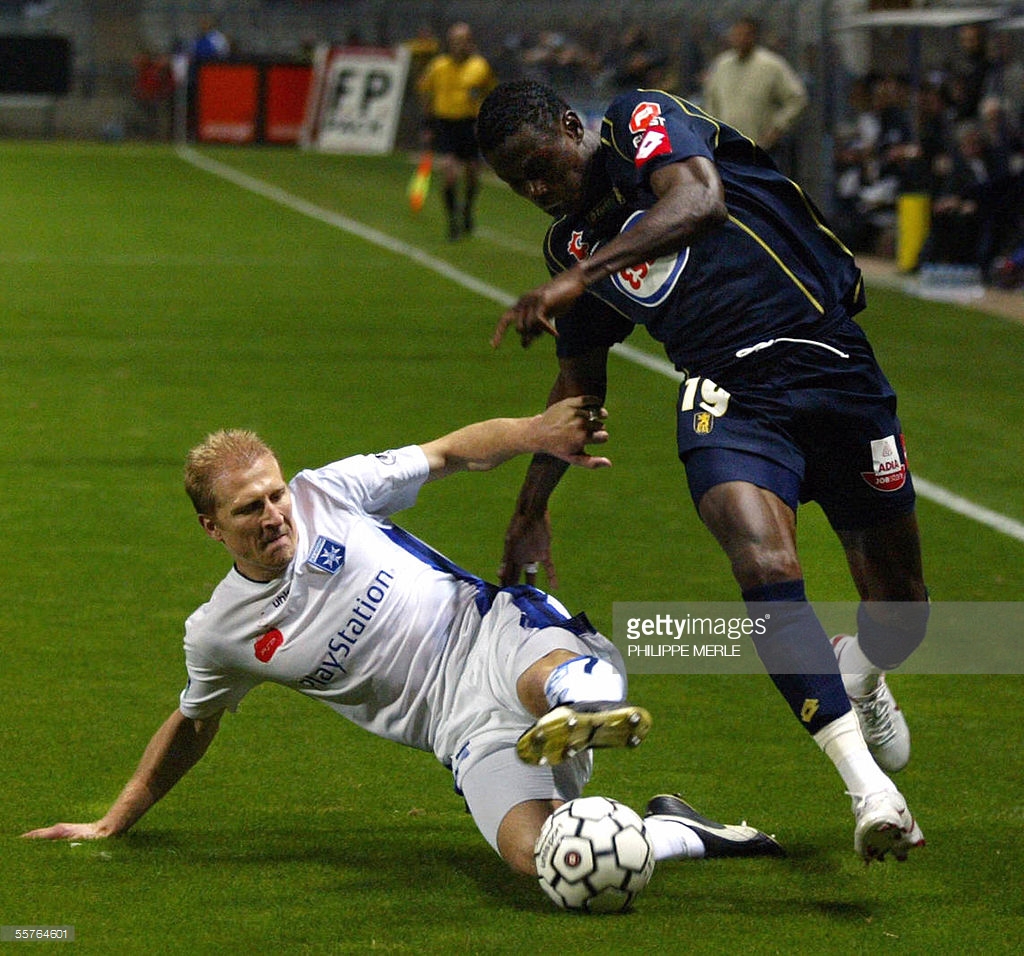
{"type": "Point", "coordinates": [147, 301]}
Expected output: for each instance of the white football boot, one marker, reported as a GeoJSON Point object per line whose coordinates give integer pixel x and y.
{"type": "Point", "coordinates": [884, 825]}
{"type": "Point", "coordinates": [881, 721]}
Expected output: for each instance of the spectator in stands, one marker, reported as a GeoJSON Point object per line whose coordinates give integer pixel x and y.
{"type": "Point", "coordinates": [755, 90]}
{"type": "Point", "coordinates": [210, 43]}
{"type": "Point", "coordinates": [1002, 136]}
{"type": "Point", "coordinates": [1004, 151]}
{"type": "Point", "coordinates": [856, 166]}
{"type": "Point", "coordinates": [970, 71]}
{"type": "Point", "coordinates": [967, 196]}
{"type": "Point", "coordinates": [452, 86]}
{"type": "Point", "coordinates": [1008, 78]}
{"type": "Point", "coordinates": [876, 159]}
{"type": "Point", "coordinates": [890, 95]}
{"type": "Point", "coordinates": [636, 62]}
{"type": "Point", "coordinates": [935, 126]}
{"type": "Point", "coordinates": [424, 46]}
{"type": "Point", "coordinates": [152, 96]}
{"type": "Point", "coordinates": [556, 59]}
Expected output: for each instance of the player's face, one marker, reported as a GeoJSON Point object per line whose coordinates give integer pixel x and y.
{"type": "Point", "coordinates": [253, 519]}
{"type": "Point", "coordinates": [547, 167]}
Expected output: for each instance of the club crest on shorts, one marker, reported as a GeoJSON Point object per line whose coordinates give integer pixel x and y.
{"type": "Point", "coordinates": [703, 422]}
{"type": "Point", "coordinates": [888, 473]}
{"type": "Point", "coordinates": [326, 555]}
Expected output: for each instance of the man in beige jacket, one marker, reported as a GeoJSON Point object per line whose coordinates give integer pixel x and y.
{"type": "Point", "coordinates": [753, 89]}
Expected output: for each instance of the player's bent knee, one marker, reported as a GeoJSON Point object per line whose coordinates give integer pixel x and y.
{"type": "Point", "coordinates": [520, 860]}
{"type": "Point", "coordinates": [517, 852]}
{"type": "Point", "coordinates": [757, 567]}
{"type": "Point", "coordinates": [518, 832]}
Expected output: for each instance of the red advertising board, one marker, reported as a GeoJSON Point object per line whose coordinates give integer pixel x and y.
{"type": "Point", "coordinates": [285, 94]}
{"type": "Point", "coordinates": [227, 102]}
{"type": "Point", "coordinates": [250, 102]}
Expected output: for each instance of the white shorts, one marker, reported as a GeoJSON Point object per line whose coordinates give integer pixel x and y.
{"type": "Point", "coordinates": [497, 782]}
{"type": "Point", "coordinates": [486, 717]}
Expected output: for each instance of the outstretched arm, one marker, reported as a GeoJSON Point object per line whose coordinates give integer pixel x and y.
{"type": "Point", "coordinates": [562, 431]}
{"type": "Point", "coordinates": [528, 537]}
{"type": "Point", "coordinates": [691, 203]}
{"type": "Point", "coordinates": [173, 750]}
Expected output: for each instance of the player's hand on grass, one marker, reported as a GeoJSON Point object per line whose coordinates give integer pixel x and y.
{"type": "Point", "coordinates": [535, 312]}
{"type": "Point", "coordinates": [69, 831]}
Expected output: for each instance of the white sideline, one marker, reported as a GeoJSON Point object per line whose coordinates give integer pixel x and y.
{"type": "Point", "coordinates": [926, 489]}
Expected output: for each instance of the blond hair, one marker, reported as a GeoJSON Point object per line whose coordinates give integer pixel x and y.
{"type": "Point", "coordinates": [215, 454]}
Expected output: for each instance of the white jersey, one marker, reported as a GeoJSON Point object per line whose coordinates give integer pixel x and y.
{"type": "Point", "coordinates": [367, 618]}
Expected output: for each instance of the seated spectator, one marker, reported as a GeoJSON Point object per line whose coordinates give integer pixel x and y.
{"type": "Point", "coordinates": [875, 161]}
{"type": "Point", "coordinates": [1004, 147]}
{"type": "Point", "coordinates": [1002, 136]}
{"type": "Point", "coordinates": [935, 137]}
{"type": "Point", "coordinates": [964, 203]}
{"type": "Point", "coordinates": [855, 166]}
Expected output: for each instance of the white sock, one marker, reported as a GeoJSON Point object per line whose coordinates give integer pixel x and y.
{"type": "Point", "coordinates": [673, 840]}
{"type": "Point", "coordinates": [860, 676]}
{"type": "Point", "coordinates": [584, 680]}
{"type": "Point", "coordinates": [844, 745]}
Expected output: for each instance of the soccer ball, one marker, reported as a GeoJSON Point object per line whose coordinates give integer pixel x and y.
{"type": "Point", "coordinates": [593, 855]}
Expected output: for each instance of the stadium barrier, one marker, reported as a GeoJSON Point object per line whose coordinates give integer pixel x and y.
{"type": "Point", "coordinates": [250, 102]}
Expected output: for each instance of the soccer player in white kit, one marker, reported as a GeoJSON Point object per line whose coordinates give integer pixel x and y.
{"type": "Point", "coordinates": [329, 597]}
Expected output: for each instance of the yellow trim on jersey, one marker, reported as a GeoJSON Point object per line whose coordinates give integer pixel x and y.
{"type": "Point", "coordinates": [691, 109]}
{"type": "Point", "coordinates": [789, 272]}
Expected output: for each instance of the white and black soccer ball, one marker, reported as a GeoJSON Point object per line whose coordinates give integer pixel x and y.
{"type": "Point", "coordinates": [593, 855]}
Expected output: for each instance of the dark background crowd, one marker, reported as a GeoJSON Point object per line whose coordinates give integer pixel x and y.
{"type": "Point", "coordinates": [939, 116]}
{"type": "Point", "coordinates": [955, 138]}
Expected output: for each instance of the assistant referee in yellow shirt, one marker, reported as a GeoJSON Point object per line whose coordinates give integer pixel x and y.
{"type": "Point", "coordinates": [452, 87]}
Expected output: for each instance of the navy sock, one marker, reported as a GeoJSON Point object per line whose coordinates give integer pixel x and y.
{"type": "Point", "coordinates": [888, 644]}
{"type": "Point", "coordinates": [797, 653]}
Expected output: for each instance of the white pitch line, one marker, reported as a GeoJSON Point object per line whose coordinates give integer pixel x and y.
{"type": "Point", "coordinates": [351, 226]}
{"type": "Point", "coordinates": [925, 488]}
{"type": "Point", "coordinates": [938, 494]}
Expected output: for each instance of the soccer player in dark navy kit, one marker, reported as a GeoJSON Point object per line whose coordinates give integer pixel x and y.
{"type": "Point", "coordinates": [672, 220]}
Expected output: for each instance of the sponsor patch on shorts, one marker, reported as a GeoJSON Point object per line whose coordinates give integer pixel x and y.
{"type": "Point", "coordinates": [888, 471]}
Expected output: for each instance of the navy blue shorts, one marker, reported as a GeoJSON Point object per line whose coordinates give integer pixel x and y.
{"type": "Point", "coordinates": [807, 421]}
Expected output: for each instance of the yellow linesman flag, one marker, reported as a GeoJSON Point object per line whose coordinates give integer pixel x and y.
{"type": "Point", "coordinates": [419, 185]}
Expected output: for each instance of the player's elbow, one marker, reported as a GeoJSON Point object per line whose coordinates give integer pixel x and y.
{"type": "Point", "coordinates": [712, 209]}
{"type": "Point", "coordinates": [715, 215]}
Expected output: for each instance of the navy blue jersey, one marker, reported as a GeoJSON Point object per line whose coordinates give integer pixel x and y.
{"type": "Point", "coordinates": [773, 271]}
